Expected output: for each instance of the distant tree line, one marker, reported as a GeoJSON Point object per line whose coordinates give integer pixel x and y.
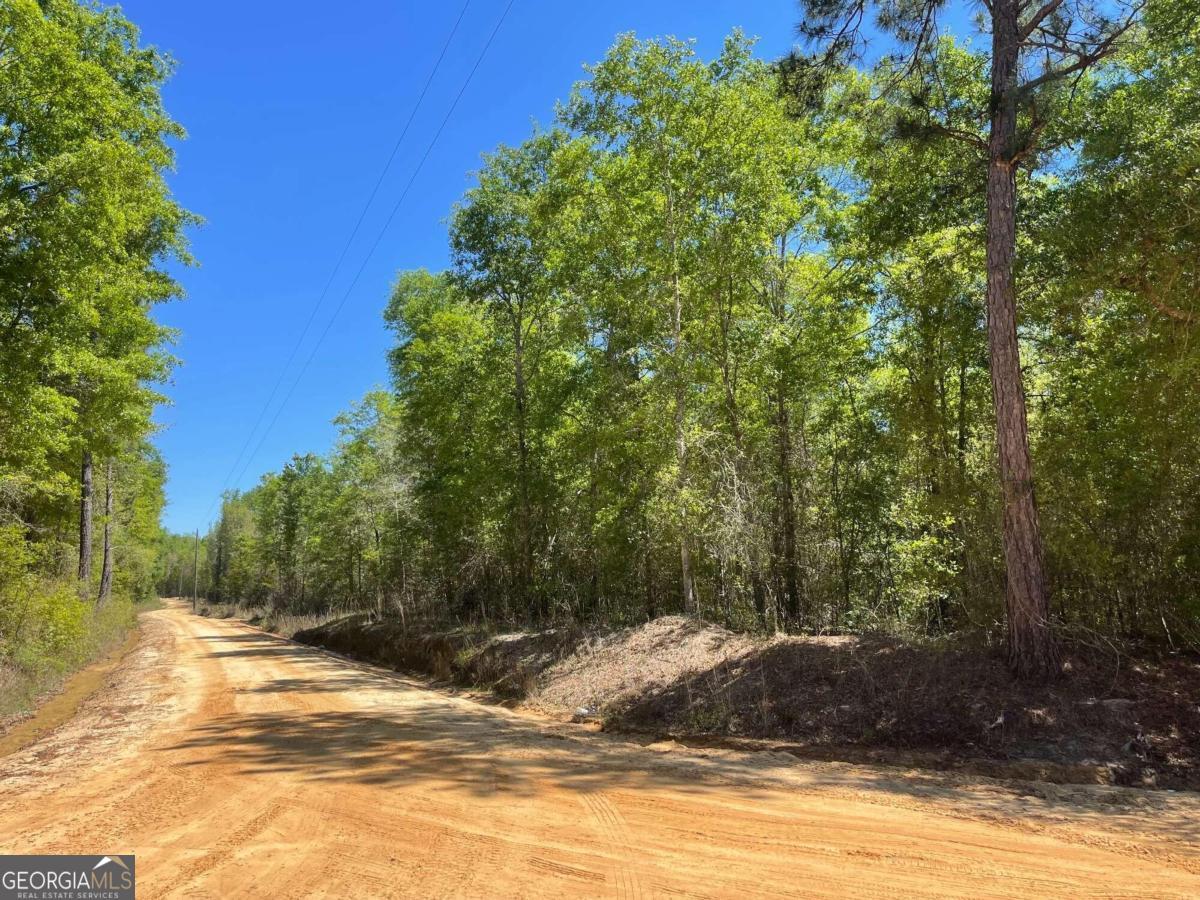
{"type": "Point", "coordinates": [718, 343]}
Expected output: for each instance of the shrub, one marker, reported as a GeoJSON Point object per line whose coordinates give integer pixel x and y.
{"type": "Point", "coordinates": [46, 629]}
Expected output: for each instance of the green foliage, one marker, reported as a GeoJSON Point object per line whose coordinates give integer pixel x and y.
{"type": "Point", "coordinates": [41, 623]}
{"type": "Point", "coordinates": [85, 216]}
{"type": "Point", "coordinates": [86, 226]}
{"type": "Point", "coordinates": [698, 320]}
{"type": "Point", "coordinates": [46, 629]}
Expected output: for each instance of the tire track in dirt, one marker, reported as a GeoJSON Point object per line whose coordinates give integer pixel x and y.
{"type": "Point", "coordinates": [227, 846]}
{"type": "Point", "coordinates": [237, 764]}
{"type": "Point", "coordinates": [612, 826]}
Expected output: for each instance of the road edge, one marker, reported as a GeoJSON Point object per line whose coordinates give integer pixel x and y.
{"type": "Point", "coordinates": [62, 705]}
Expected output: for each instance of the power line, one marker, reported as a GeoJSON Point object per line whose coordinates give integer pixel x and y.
{"type": "Point", "coordinates": [378, 239]}
{"type": "Point", "coordinates": [341, 258]}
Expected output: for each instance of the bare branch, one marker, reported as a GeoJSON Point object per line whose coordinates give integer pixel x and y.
{"type": "Point", "coordinates": [1039, 17]}
{"type": "Point", "coordinates": [958, 134]}
{"type": "Point", "coordinates": [1179, 315]}
{"type": "Point", "coordinates": [1087, 49]}
{"type": "Point", "coordinates": [1104, 49]}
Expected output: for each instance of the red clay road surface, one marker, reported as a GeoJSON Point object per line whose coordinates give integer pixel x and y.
{"type": "Point", "coordinates": [237, 764]}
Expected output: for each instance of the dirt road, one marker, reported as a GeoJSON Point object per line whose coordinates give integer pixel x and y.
{"type": "Point", "coordinates": [236, 764]}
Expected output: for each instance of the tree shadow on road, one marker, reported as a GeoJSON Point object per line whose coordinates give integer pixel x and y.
{"type": "Point", "coordinates": [402, 734]}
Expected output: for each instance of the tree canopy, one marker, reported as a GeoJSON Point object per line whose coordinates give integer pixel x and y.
{"type": "Point", "coordinates": [86, 225]}
{"type": "Point", "coordinates": [712, 345]}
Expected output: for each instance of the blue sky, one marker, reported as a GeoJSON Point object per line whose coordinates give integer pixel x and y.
{"type": "Point", "coordinates": [291, 111]}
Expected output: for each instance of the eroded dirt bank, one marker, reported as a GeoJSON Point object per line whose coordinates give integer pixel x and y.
{"type": "Point", "coordinates": [951, 705]}
{"type": "Point", "coordinates": [234, 763]}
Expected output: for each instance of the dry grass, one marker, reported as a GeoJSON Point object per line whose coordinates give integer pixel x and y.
{"type": "Point", "coordinates": [508, 664]}
{"type": "Point", "coordinates": [282, 623]}
{"type": "Point", "coordinates": [608, 669]}
{"type": "Point", "coordinates": [1123, 720]}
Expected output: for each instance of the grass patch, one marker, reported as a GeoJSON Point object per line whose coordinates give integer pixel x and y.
{"type": "Point", "coordinates": [47, 631]}
{"type": "Point", "coordinates": [36, 660]}
{"type": "Point", "coordinates": [282, 623]}
{"type": "Point", "coordinates": [148, 604]}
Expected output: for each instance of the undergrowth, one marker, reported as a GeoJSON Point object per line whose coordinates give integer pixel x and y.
{"type": "Point", "coordinates": [47, 631]}
{"type": "Point", "coordinates": [275, 621]}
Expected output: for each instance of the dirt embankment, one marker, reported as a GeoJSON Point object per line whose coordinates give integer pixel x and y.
{"type": "Point", "coordinates": [236, 764]}
{"type": "Point", "coordinates": [1110, 720]}
{"type": "Point", "coordinates": [509, 665]}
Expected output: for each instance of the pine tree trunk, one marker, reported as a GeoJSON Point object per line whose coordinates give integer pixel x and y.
{"type": "Point", "coordinates": [106, 571]}
{"type": "Point", "coordinates": [85, 524]}
{"type": "Point", "coordinates": [1031, 645]}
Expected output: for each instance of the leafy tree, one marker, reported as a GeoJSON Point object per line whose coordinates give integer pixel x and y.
{"type": "Point", "coordinates": [86, 226]}
{"type": "Point", "coordinates": [707, 349]}
{"type": "Point", "coordinates": [1037, 50]}
{"type": "Point", "coordinates": [87, 220]}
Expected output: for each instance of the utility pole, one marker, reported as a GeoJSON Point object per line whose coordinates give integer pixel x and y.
{"type": "Point", "coordinates": [196, 571]}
